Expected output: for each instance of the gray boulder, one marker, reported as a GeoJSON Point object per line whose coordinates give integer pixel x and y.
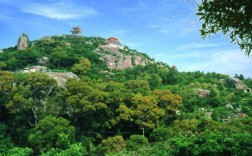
{"type": "Point", "coordinates": [62, 77]}
{"type": "Point", "coordinates": [43, 60]}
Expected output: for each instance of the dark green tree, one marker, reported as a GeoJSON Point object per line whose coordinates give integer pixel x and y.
{"type": "Point", "coordinates": [49, 132]}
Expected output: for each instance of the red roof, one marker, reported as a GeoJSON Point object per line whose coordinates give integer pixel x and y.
{"type": "Point", "coordinates": [113, 39]}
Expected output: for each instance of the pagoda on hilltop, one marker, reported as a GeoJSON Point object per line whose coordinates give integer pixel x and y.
{"type": "Point", "coordinates": [114, 42]}
{"type": "Point", "coordinates": [76, 31]}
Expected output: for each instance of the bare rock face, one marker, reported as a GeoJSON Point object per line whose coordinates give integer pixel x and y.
{"type": "Point", "coordinates": [23, 42]}
{"type": "Point", "coordinates": [115, 59]}
{"type": "Point", "coordinates": [62, 78]}
{"type": "Point", "coordinates": [139, 60]}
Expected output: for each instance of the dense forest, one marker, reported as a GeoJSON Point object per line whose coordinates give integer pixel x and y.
{"type": "Point", "coordinates": [151, 110]}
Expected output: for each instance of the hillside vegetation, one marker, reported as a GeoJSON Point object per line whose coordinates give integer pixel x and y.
{"type": "Point", "coordinates": [144, 110]}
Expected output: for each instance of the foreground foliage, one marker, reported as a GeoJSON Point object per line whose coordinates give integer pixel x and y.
{"type": "Point", "coordinates": [231, 17]}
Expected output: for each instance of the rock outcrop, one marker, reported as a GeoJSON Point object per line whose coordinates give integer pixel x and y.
{"type": "Point", "coordinates": [43, 60]}
{"type": "Point", "coordinates": [23, 42]}
{"type": "Point", "coordinates": [204, 93]}
{"type": "Point", "coordinates": [62, 78]}
{"type": "Point", "coordinates": [237, 83]}
{"type": "Point", "coordinates": [35, 69]}
{"type": "Point", "coordinates": [116, 59]}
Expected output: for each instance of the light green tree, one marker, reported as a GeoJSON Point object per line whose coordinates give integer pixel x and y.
{"type": "Point", "coordinates": [31, 94]}
{"type": "Point", "coordinates": [82, 67]}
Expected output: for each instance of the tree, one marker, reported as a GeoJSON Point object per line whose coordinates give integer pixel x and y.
{"type": "Point", "coordinates": [153, 79]}
{"type": "Point", "coordinates": [48, 133]}
{"type": "Point", "coordinates": [6, 85]}
{"type": "Point", "coordinates": [31, 93]}
{"type": "Point", "coordinates": [12, 63]}
{"type": "Point", "coordinates": [231, 17]}
{"type": "Point", "coordinates": [82, 67]}
{"type": "Point", "coordinates": [138, 86]}
{"type": "Point", "coordinates": [2, 65]}
{"type": "Point", "coordinates": [146, 111]}
{"type": "Point", "coordinates": [169, 102]}
{"type": "Point", "coordinates": [75, 149]}
{"type": "Point", "coordinates": [18, 151]}
{"type": "Point", "coordinates": [5, 140]}
{"type": "Point", "coordinates": [6, 88]}
{"type": "Point", "coordinates": [135, 141]}
{"type": "Point", "coordinates": [111, 145]}
{"type": "Point", "coordinates": [171, 76]}
{"type": "Point", "coordinates": [163, 133]}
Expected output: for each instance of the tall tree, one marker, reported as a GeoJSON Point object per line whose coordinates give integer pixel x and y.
{"type": "Point", "coordinates": [31, 94]}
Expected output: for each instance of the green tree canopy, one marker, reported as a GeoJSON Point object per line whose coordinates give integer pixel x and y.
{"type": "Point", "coordinates": [111, 145]}
{"type": "Point", "coordinates": [82, 67]}
{"type": "Point", "coordinates": [48, 131]}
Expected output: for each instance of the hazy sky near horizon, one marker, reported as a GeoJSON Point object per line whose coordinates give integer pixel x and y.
{"type": "Point", "coordinates": [166, 30]}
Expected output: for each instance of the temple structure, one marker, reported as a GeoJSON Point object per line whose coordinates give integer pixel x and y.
{"type": "Point", "coordinates": [114, 42]}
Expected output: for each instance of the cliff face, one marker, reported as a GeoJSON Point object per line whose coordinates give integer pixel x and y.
{"type": "Point", "coordinates": [119, 58]}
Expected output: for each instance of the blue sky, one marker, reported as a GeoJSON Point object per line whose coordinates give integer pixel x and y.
{"type": "Point", "coordinates": [166, 30]}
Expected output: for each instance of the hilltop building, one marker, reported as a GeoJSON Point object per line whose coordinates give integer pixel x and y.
{"type": "Point", "coordinates": [114, 43]}
{"type": "Point", "coordinates": [76, 31]}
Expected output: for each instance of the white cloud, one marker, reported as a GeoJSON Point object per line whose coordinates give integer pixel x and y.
{"type": "Point", "coordinates": [197, 45]}
{"type": "Point", "coordinates": [224, 61]}
{"type": "Point", "coordinates": [179, 26]}
{"type": "Point", "coordinates": [188, 55]}
{"type": "Point", "coordinates": [58, 10]}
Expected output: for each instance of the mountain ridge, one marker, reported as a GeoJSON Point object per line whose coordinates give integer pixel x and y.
{"type": "Point", "coordinates": [56, 48]}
